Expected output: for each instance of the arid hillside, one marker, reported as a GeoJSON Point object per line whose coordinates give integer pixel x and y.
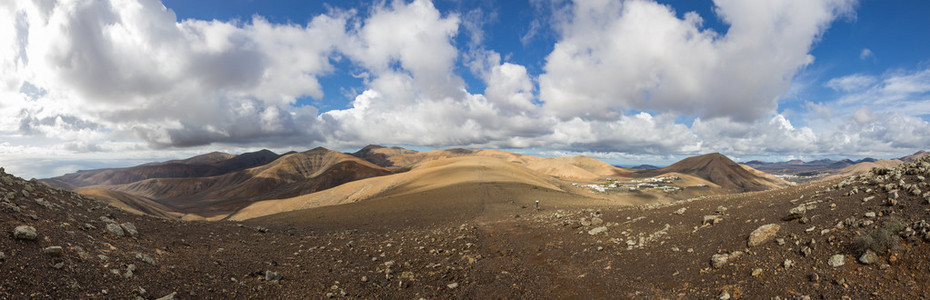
{"type": "Point", "coordinates": [859, 237]}
{"type": "Point", "coordinates": [258, 185]}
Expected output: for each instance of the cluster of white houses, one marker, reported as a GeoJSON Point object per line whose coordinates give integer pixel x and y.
{"type": "Point", "coordinates": [663, 183]}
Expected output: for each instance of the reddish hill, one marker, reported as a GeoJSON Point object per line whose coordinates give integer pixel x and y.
{"type": "Point", "coordinates": [291, 175]}
{"type": "Point", "coordinates": [211, 164]}
{"type": "Point", "coordinates": [719, 169]}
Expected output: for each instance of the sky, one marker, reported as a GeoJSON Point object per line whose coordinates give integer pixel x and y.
{"type": "Point", "coordinates": [88, 84]}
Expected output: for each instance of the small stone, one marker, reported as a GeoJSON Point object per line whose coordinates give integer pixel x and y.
{"type": "Point", "coordinates": [711, 219]}
{"type": "Point", "coordinates": [2, 256]}
{"type": "Point", "coordinates": [585, 222]}
{"type": "Point", "coordinates": [813, 277]}
{"type": "Point", "coordinates": [115, 229]}
{"type": "Point", "coordinates": [868, 258]}
{"type": "Point", "coordinates": [837, 260]}
{"type": "Point", "coordinates": [721, 209]}
{"type": "Point", "coordinates": [273, 276]}
{"type": "Point", "coordinates": [596, 221]}
{"type": "Point", "coordinates": [763, 234]}
{"type": "Point", "coordinates": [788, 264]}
{"type": "Point", "coordinates": [171, 296]}
{"type": "Point", "coordinates": [53, 251]}
{"type": "Point", "coordinates": [597, 230]}
{"type": "Point", "coordinates": [719, 260]}
{"type": "Point", "coordinates": [756, 272]}
{"type": "Point", "coordinates": [806, 251]}
{"type": "Point", "coordinates": [780, 241]}
{"type": "Point", "coordinates": [724, 295]}
{"type": "Point", "coordinates": [145, 258]}
{"type": "Point", "coordinates": [453, 285]}
{"type": "Point", "coordinates": [870, 214]}
{"type": "Point", "coordinates": [364, 278]}
{"type": "Point", "coordinates": [24, 232]}
{"type": "Point", "coordinates": [130, 229]}
{"type": "Point", "coordinates": [681, 211]}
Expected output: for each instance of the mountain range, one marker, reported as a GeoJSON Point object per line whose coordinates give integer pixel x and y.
{"type": "Point", "coordinates": [218, 186]}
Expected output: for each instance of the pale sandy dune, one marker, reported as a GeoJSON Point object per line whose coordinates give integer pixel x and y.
{"type": "Point", "coordinates": [426, 176]}
{"type": "Point", "coordinates": [131, 203]}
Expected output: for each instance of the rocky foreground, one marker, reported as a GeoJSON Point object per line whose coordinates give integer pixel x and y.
{"type": "Point", "coordinates": [860, 237]}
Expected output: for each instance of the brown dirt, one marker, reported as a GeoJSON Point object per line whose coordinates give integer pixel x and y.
{"type": "Point", "coordinates": [477, 243]}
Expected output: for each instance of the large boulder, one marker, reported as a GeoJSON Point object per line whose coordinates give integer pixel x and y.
{"type": "Point", "coordinates": [24, 232]}
{"type": "Point", "coordinates": [763, 234]}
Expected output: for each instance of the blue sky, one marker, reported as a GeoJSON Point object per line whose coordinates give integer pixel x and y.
{"type": "Point", "coordinates": [89, 84]}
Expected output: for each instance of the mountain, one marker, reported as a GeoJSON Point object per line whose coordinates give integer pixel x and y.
{"type": "Point", "coordinates": [211, 164]}
{"type": "Point", "coordinates": [380, 155]}
{"type": "Point", "coordinates": [452, 186]}
{"type": "Point", "coordinates": [719, 169]}
{"type": "Point", "coordinates": [917, 155]}
{"type": "Point", "coordinates": [645, 167]}
{"type": "Point", "coordinates": [467, 227]}
{"type": "Point", "coordinates": [289, 176]}
{"type": "Point", "coordinates": [864, 167]}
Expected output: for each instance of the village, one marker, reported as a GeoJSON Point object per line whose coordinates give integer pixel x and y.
{"type": "Point", "coordinates": [663, 183]}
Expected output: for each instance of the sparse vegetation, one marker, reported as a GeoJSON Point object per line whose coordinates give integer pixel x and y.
{"type": "Point", "coordinates": [883, 238]}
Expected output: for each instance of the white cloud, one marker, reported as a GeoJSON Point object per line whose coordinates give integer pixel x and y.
{"type": "Point", "coordinates": [855, 82]}
{"type": "Point", "coordinates": [129, 66]}
{"type": "Point", "coordinates": [81, 78]}
{"type": "Point", "coordinates": [617, 56]}
{"type": "Point", "coordinates": [866, 53]}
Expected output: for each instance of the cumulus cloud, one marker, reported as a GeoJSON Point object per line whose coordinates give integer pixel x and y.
{"type": "Point", "coordinates": [131, 66]}
{"type": "Point", "coordinates": [617, 56]}
{"type": "Point", "coordinates": [624, 79]}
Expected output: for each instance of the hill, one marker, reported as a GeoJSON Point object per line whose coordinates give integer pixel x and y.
{"type": "Point", "coordinates": [289, 176]}
{"type": "Point", "coordinates": [477, 238]}
{"type": "Point", "coordinates": [722, 171]}
{"type": "Point", "coordinates": [427, 183]}
{"type": "Point", "coordinates": [210, 164]}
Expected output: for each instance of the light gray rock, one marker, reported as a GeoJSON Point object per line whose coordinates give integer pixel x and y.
{"type": "Point", "coordinates": [711, 219]}
{"type": "Point", "coordinates": [115, 229]}
{"type": "Point", "coordinates": [273, 276]}
{"type": "Point", "coordinates": [129, 229]}
{"type": "Point", "coordinates": [788, 264]}
{"type": "Point", "coordinates": [145, 258]}
{"type": "Point", "coordinates": [596, 221]}
{"type": "Point", "coordinates": [53, 251]}
{"type": "Point", "coordinates": [763, 234]}
{"type": "Point", "coordinates": [597, 230]}
{"type": "Point", "coordinates": [719, 260]}
{"type": "Point", "coordinates": [25, 232]}
{"type": "Point", "coordinates": [171, 296]}
{"type": "Point", "coordinates": [868, 258]}
{"type": "Point", "coordinates": [453, 285]}
{"type": "Point", "coordinates": [837, 260]}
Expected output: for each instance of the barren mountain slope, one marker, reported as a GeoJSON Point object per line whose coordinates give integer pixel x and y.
{"type": "Point", "coordinates": [577, 167]}
{"type": "Point", "coordinates": [130, 203]}
{"type": "Point", "coordinates": [817, 245]}
{"type": "Point", "coordinates": [289, 176]}
{"type": "Point", "coordinates": [864, 167]}
{"type": "Point", "coordinates": [720, 170]}
{"type": "Point", "coordinates": [210, 164]}
{"type": "Point", "coordinates": [427, 176]}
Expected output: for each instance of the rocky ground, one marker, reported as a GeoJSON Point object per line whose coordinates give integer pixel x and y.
{"type": "Point", "coordinates": [861, 237]}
